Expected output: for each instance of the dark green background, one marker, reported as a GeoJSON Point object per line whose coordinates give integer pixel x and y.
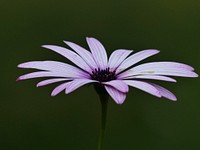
{"type": "Point", "coordinates": [30, 119]}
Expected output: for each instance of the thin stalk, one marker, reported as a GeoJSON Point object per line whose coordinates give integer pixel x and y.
{"type": "Point", "coordinates": [104, 102]}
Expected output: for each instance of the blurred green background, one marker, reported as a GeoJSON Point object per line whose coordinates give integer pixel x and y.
{"type": "Point", "coordinates": [30, 119]}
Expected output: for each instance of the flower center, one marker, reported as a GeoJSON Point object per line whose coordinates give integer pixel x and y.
{"type": "Point", "coordinates": [103, 75]}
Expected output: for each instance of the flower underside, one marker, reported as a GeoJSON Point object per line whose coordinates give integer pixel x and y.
{"type": "Point", "coordinates": [103, 75]}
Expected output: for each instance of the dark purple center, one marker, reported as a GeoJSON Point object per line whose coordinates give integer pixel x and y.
{"type": "Point", "coordinates": [103, 75]}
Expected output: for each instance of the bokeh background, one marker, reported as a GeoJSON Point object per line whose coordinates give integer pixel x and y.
{"type": "Point", "coordinates": [30, 119]}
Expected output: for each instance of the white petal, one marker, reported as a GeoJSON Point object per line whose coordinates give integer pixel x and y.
{"type": "Point", "coordinates": [135, 58]}
{"type": "Point", "coordinates": [50, 81]}
{"type": "Point", "coordinates": [118, 84]}
{"type": "Point", "coordinates": [144, 86]}
{"type": "Point", "coordinates": [41, 74]}
{"type": "Point", "coordinates": [160, 68]}
{"type": "Point", "coordinates": [85, 54]}
{"type": "Point", "coordinates": [117, 57]}
{"type": "Point", "coordinates": [72, 56]}
{"type": "Point", "coordinates": [158, 71]}
{"type": "Point", "coordinates": [59, 88]}
{"type": "Point", "coordinates": [117, 96]}
{"type": "Point", "coordinates": [65, 70]}
{"type": "Point", "coordinates": [76, 83]}
{"type": "Point", "coordinates": [98, 52]}
{"type": "Point", "coordinates": [153, 77]}
{"type": "Point", "coordinates": [164, 92]}
{"type": "Point", "coordinates": [166, 65]}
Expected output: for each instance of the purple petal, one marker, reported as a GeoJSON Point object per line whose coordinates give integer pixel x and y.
{"type": "Point", "coordinates": [98, 52]}
{"type": "Point", "coordinates": [85, 54]}
{"type": "Point", "coordinates": [144, 87]}
{"type": "Point", "coordinates": [59, 68]}
{"type": "Point", "coordinates": [50, 81]}
{"type": "Point", "coordinates": [72, 56]}
{"type": "Point", "coordinates": [165, 65]}
{"type": "Point", "coordinates": [117, 96]}
{"type": "Point", "coordinates": [159, 69]}
{"type": "Point", "coordinates": [154, 77]}
{"type": "Point", "coordinates": [60, 88]}
{"type": "Point", "coordinates": [76, 83]}
{"type": "Point", "coordinates": [40, 74]}
{"type": "Point", "coordinates": [164, 92]}
{"type": "Point", "coordinates": [135, 58]}
{"type": "Point", "coordinates": [117, 57]}
{"type": "Point", "coordinates": [118, 84]}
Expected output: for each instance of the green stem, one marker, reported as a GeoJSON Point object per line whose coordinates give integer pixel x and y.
{"type": "Point", "coordinates": [104, 102]}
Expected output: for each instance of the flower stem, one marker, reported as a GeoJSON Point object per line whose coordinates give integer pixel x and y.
{"type": "Point", "coordinates": [104, 102]}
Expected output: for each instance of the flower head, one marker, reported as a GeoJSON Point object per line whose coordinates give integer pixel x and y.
{"type": "Point", "coordinates": [114, 74]}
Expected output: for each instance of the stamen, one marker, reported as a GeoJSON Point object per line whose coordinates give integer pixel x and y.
{"type": "Point", "coordinates": [103, 75]}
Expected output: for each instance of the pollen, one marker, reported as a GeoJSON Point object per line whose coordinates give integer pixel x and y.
{"type": "Point", "coordinates": [103, 75]}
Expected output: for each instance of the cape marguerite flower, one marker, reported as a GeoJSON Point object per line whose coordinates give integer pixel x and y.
{"type": "Point", "coordinates": [114, 74]}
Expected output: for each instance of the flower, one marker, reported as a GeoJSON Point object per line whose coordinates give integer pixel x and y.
{"type": "Point", "coordinates": [115, 74]}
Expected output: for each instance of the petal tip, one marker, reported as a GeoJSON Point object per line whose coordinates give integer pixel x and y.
{"type": "Point", "coordinates": [66, 42]}
{"type": "Point", "coordinates": [174, 81]}
{"type": "Point", "coordinates": [66, 91]}
{"type": "Point", "coordinates": [195, 75]}
{"type": "Point", "coordinates": [88, 37]}
{"type": "Point", "coordinates": [158, 94]}
{"type": "Point", "coordinates": [18, 79]}
{"type": "Point", "coordinates": [20, 65]}
{"type": "Point", "coordinates": [153, 50]}
{"type": "Point", "coordinates": [38, 85]}
{"type": "Point", "coordinates": [120, 102]}
{"type": "Point", "coordinates": [156, 51]}
{"type": "Point", "coordinates": [53, 94]}
{"type": "Point", "coordinates": [91, 38]}
{"type": "Point", "coordinates": [45, 46]}
{"type": "Point", "coordinates": [174, 99]}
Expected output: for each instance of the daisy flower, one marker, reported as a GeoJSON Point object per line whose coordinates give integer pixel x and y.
{"type": "Point", "coordinates": [111, 76]}
{"type": "Point", "coordinates": [115, 73]}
